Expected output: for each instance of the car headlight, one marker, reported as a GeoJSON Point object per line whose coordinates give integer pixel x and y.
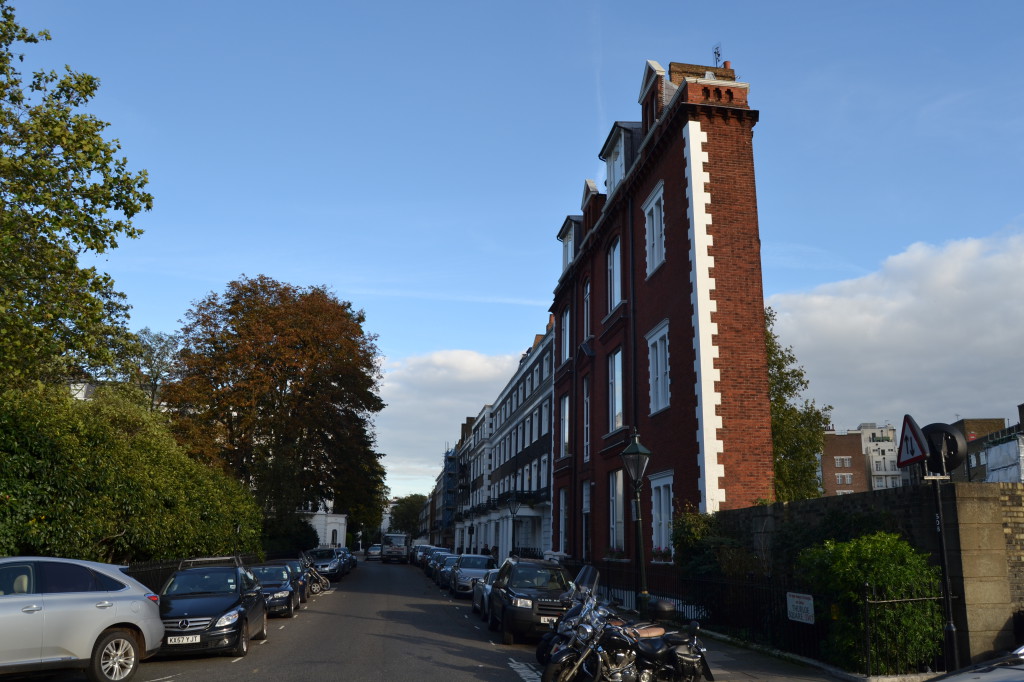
{"type": "Point", "coordinates": [283, 594]}
{"type": "Point", "coordinates": [332, 565]}
{"type": "Point", "coordinates": [522, 603]}
{"type": "Point", "coordinates": [228, 618]}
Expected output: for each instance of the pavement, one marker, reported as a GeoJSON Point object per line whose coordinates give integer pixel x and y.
{"type": "Point", "coordinates": [732, 663]}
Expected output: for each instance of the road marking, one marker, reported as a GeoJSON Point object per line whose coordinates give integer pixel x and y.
{"type": "Point", "coordinates": [526, 672]}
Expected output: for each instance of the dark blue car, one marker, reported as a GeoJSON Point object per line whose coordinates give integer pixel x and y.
{"type": "Point", "coordinates": [280, 588]}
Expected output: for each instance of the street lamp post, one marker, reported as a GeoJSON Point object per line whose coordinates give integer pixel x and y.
{"type": "Point", "coordinates": [635, 458]}
{"type": "Point", "coordinates": [513, 508]}
{"type": "Point", "coordinates": [472, 550]}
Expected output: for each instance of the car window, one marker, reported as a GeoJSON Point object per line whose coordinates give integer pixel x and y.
{"type": "Point", "coordinates": [56, 577]}
{"type": "Point", "coordinates": [476, 562]}
{"type": "Point", "coordinates": [201, 582]}
{"type": "Point", "coordinates": [538, 577]}
{"type": "Point", "coordinates": [17, 578]}
{"type": "Point", "coordinates": [271, 574]}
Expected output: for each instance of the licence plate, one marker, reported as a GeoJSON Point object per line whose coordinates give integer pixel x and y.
{"type": "Point", "coordinates": [185, 639]}
{"type": "Point", "coordinates": [548, 619]}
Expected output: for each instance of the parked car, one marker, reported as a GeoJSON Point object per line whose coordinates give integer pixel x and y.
{"type": "Point", "coordinates": [482, 592]}
{"type": "Point", "coordinates": [372, 553]}
{"type": "Point", "coordinates": [526, 597]}
{"type": "Point", "coordinates": [300, 573]}
{"type": "Point", "coordinates": [429, 555]}
{"type": "Point", "coordinates": [435, 562]}
{"type": "Point", "coordinates": [416, 556]}
{"type": "Point", "coordinates": [209, 608]}
{"type": "Point", "coordinates": [349, 558]}
{"type": "Point", "coordinates": [443, 571]}
{"type": "Point", "coordinates": [329, 562]}
{"type": "Point", "coordinates": [1006, 668]}
{"type": "Point", "coordinates": [468, 568]}
{"type": "Point", "coordinates": [280, 588]}
{"type": "Point", "coordinates": [49, 618]}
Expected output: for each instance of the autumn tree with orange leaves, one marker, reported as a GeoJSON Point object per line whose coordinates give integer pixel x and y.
{"type": "Point", "coordinates": [278, 384]}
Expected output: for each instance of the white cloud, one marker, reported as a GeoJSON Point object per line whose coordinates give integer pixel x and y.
{"type": "Point", "coordinates": [428, 398]}
{"type": "Point", "coordinates": [937, 333]}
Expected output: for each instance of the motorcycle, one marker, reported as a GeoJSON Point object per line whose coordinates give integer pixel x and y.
{"type": "Point", "coordinates": [595, 645]}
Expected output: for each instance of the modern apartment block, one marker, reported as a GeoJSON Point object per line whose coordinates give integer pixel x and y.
{"type": "Point", "coordinates": [860, 459]}
{"type": "Point", "coordinates": [659, 320]}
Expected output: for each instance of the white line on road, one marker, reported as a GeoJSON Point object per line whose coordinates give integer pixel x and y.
{"type": "Point", "coordinates": [525, 671]}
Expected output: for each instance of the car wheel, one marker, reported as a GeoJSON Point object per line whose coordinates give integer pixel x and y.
{"type": "Point", "coordinates": [115, 657]}
{"type": "Point", "coordinates": [508, 636]}
{"type": "Point", "coordinates": [476, 609]}
{"type": "Point", "coordinates": [290, 613]}
{"type": "Point", "coordinates": [242, 648]}
{"type": "Point", "coordinates": [304, 595]}
{"type": "Point", "coordinates": [262, 634]}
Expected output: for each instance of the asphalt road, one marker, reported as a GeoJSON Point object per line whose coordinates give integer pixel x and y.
{"type": "Point", "coordinates": [389, 622]}
{"type": "Point", "coordinates": [380, 622]}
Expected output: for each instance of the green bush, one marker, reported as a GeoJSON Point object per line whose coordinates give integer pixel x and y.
{"type": "Point", "coordinates": [103, 479]}
{"type": "Point", "coordinates": [905, 635]}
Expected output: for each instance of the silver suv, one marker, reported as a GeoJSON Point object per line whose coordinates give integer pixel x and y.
{"type": "Point", "coordinates": [65, 613]}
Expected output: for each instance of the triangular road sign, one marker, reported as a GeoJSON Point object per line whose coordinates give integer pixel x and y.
{"type": "Point", "coordinates": [913, 446]}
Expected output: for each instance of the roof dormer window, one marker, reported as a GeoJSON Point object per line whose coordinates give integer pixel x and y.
{"type": "Point", "coordinates": [616, 162]}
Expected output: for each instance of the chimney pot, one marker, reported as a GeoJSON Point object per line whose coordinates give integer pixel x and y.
{"type": "Point", "coordinates": [727, 64]}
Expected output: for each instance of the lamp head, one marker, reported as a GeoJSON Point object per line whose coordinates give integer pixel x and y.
{"type": "Point", "coordinates": [635, 458]}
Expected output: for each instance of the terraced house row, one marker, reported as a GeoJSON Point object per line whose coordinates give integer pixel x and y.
{"type": "Point", "coordinates": [655, 335]}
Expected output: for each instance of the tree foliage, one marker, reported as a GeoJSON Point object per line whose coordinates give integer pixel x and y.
{"type": "Point", "coordinates": [798, 427]}
{"type": "Point", "coordinates": [277, 384]}
{"type": "Point", "coordinates": [154, 357]}
{"type": "Point", "coordinates": [405, 515]}
{"type": "Point", "coordinates": [64, 193]}
{"type": "Point", "coordinates": [104, 479]}
{"type": "Point", "coordinates": [905, 635]}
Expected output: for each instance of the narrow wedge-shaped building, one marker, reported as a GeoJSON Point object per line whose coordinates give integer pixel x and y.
{"type": "Point", "coordinates": [660, 330]}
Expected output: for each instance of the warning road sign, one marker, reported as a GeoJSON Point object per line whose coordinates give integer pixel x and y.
{"type": "Point", "coordinates": [913, 446]}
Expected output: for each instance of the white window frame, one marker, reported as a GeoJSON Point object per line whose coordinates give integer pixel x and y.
{"type": "Point", "coordinates": [661, 510]}
{"type": "Point", "coordinates": [614, 274]}
{"type": "Point", "coordinates": [586, 309]}
{"type": "Point", "coordinates": [615, 164]}
{"type": "Point", "coordinates": [564, 422]}
{"type": "Point", "coordinates": [616, 510]}
{"type": "Point", "coordinates": [615, 393]}
{"type": "Point", "coordinates": [566, 336]}
{"type": "Point", "coordinates": [654, 223]}
{"type": "Point", "coordinates": [660, 382]}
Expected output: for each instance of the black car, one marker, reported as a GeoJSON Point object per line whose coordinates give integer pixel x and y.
{"type": "Point", "coordinates": [300, 573]}
{"type": "Point", "coordinates": [526, 597]}
{"type": "Point", "coordinates": [212, 608]}
{"type": "Point", "coordinates": [280, 588]}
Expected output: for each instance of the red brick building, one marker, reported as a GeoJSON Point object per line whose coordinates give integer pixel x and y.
{"type": "Point", "coordinates": [659, 318]}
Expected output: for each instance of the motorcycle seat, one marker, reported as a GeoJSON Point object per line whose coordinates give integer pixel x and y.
{"type": "Point", "coordinates": [648, 631]}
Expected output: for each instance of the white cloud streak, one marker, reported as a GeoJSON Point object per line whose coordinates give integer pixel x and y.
{"type": "Point", "coordinates": [937, 332]}
{"type": "Point", "coordinates": [428, 398]}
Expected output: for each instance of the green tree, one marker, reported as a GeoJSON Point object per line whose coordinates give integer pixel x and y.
{"type": "Point", "coordinates": [104, 479]}
{"type": "Point", "coordinates": [798, 427]}
{"type": "Point", "coordinates": [64, 194]}
{"type": "Point", "coordinates": [405, 515]}
{"type": "Point", "coordinates": [277, 384]}
{"type": "Point", "coordinates": [155, 354]}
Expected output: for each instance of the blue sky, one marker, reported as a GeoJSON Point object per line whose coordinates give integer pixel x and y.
{"type": "Point", "coordinates": [419, 158]}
